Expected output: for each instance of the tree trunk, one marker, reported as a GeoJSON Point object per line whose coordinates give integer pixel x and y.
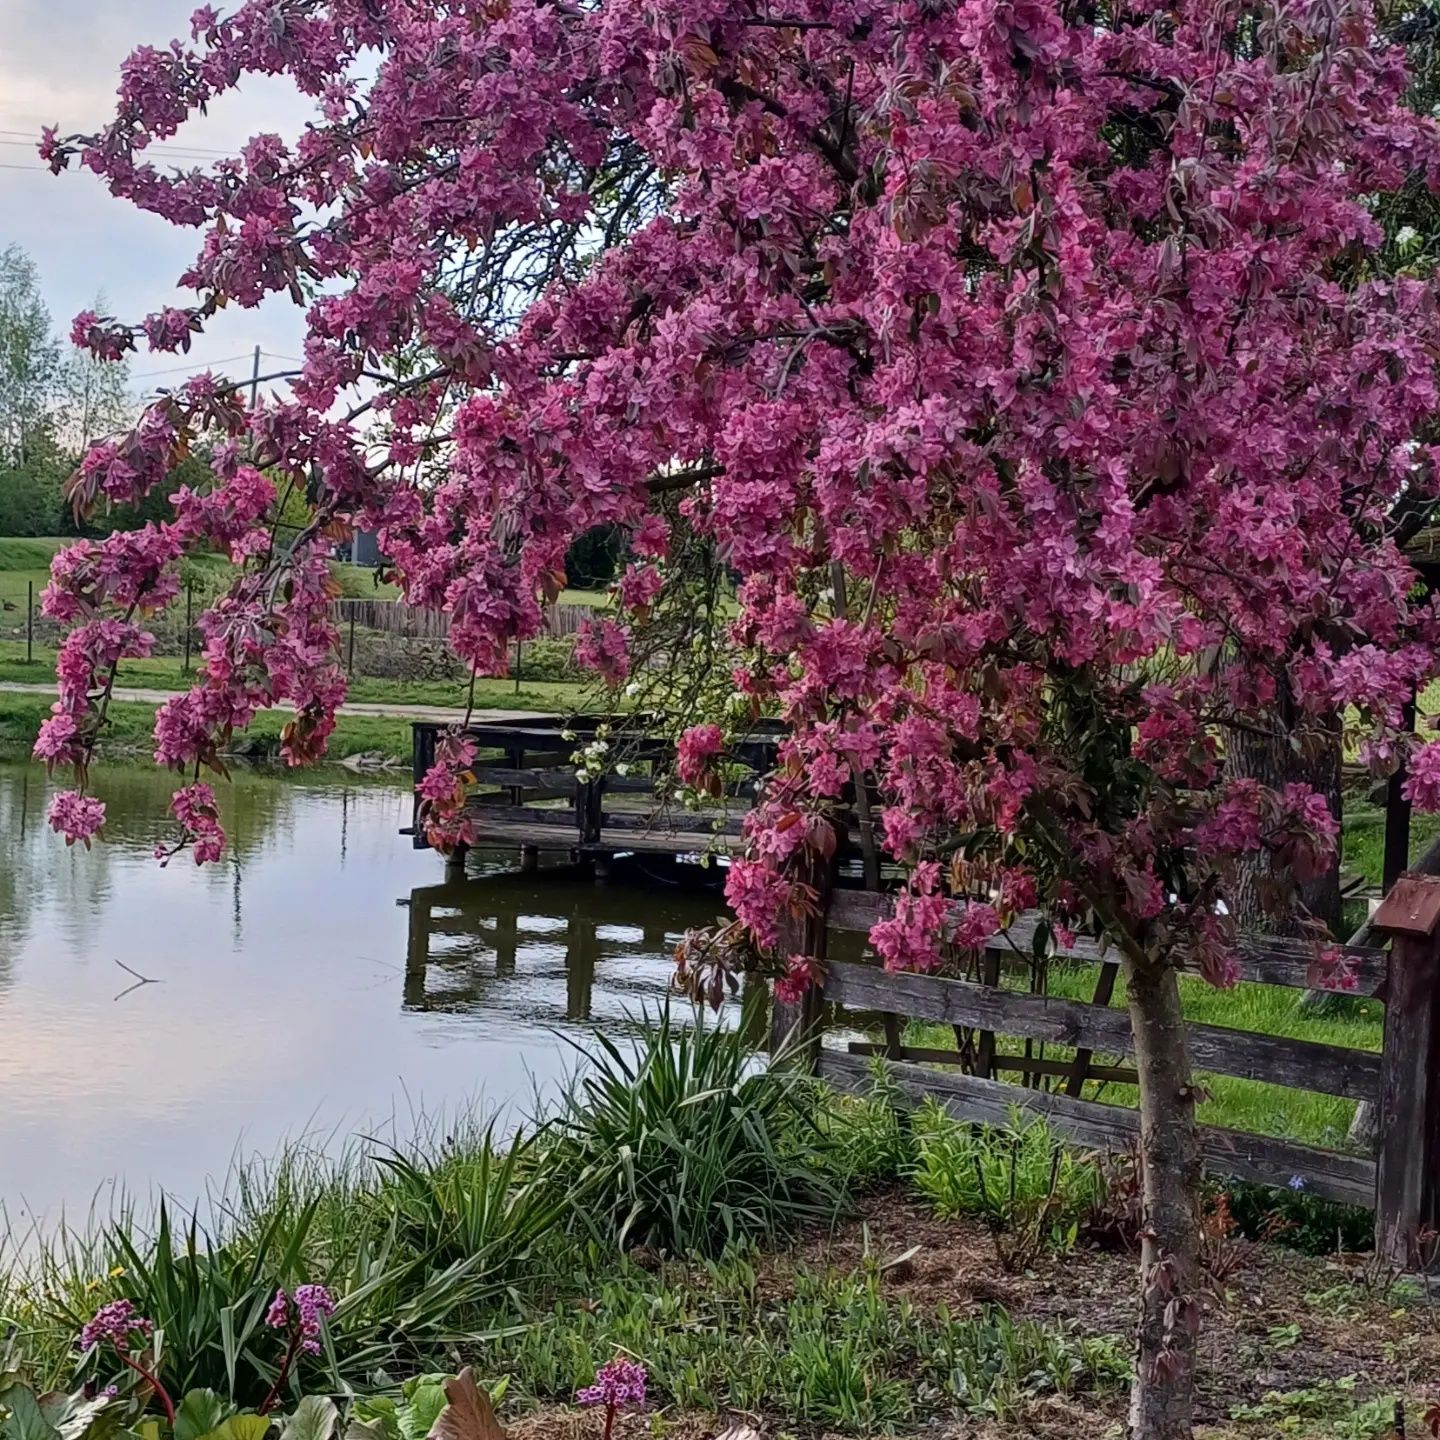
{"type": "Point", "coordinates": [1162, 1397]}
{"type": "Point", "coordinates": [1274, 762]}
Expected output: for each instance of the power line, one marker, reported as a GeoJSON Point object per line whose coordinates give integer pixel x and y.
{"type": "Point", "coordinates": [31, 137]}
{"type": "Point", "coordinates": [192, 368]}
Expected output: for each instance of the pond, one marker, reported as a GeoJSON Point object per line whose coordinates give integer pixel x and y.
{"type": "Point", "coordinates": [322, 981]}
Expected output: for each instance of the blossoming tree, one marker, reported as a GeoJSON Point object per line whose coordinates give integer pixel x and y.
{"type": "Point", "coordinates": [1025, 359]}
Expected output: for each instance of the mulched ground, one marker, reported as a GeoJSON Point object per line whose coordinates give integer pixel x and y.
{"type": "Point", "coordinates": [1278, 1323]}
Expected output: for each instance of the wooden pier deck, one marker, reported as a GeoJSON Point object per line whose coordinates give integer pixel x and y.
{"type": "Point", "coordinates": [529, 795]}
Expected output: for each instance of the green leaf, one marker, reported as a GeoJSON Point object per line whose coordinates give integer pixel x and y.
{"type": "Point", "coordinates": [26, 1420]}
{"type": "Point", "coordinates": [427, 1400]}
{"type": "Point", "coordinates": [366, 1430]}
{"type": "Point", "coordinates": [242, 1427]}
{"type": "Point", "coordinates": [315, 1418]}
{"type": "Point", "coordinates": [199, 1414]}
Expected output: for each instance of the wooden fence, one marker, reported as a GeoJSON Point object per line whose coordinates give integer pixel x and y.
{"type": "Point", "coordinates": [391, 617]}
{"type": "Point", "coordinates": [1402, 1181]}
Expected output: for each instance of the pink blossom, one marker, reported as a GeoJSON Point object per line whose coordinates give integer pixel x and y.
{"type": "Point", "coordinates": [1422, 784]}
{"type": "Point", "coordinates": [76, 816]}
{"type": "Point", "coordinates": [697, 749]}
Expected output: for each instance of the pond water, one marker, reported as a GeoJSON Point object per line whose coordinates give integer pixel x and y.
{"type": "Point", "coordinates": [292, 996]}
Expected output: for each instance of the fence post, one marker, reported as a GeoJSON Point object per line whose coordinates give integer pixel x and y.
{"type": "Point", "coordinates": [803, 934]}
{"type": "Point", "coordinates": [189, 623]}
{"type": "Point", "coordinates": [29, 621]}
{"type": "Point", "coordinates": [350, 658]}
{"type": "Point", "coordinates": [1407, 1200]}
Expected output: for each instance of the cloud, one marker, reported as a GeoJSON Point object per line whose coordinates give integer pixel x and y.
{"type": "Point", "coordinates": [59, 64]}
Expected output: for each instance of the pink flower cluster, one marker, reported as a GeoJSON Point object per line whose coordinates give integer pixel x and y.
{"type": "Point", "coordinates": [698, 747]}
{"type": "Point", "coordinates": [1042, 445]}
{"type": "Point", "coordinates": [117, 1322]}
{"type": "Point", "coordinates": [313, 1305]}
{"type": "Point", "coordinates": [619, 1383]}
{"type": "Point", "coordinates": [76, 816]}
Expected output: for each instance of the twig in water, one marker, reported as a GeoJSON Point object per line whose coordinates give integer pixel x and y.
{"type": "Point", "coordinates": [140, 980]}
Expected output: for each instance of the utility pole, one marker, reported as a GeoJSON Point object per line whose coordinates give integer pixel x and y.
{"type": "Point", "coordinates": [255, 379]}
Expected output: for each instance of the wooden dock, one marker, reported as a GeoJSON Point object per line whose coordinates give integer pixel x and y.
{"type": "Point", "coordinates": [530, 795]}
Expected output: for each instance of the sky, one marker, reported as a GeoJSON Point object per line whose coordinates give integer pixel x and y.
{"type": "Point", "coordinates": [59, 64]}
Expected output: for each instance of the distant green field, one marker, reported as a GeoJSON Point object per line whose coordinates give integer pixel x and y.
{"type": "Point", "coordinates": [28, 560]}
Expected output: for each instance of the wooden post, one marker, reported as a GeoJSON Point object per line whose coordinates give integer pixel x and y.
{"type": "Point", "coordinates": [189, 623]}
{"type": "Point", "coordinates": [350, 656]}
{"type": "Point", "coordinates": [1397, 817]}
{"type": "Point", "coordinates": [29, 621]}
{"type": "Point", "coordinates": [803, 935]}
{"type": "Point", "coordinates": [1407, 1201]}
{"type": "Point", "coordinates": [417, 953]}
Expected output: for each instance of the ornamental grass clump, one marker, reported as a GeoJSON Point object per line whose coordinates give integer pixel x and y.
{"type": "Point", "coordinates": [682, 1142]}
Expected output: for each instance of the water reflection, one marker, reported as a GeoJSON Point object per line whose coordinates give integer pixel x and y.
{"type": "Point", "coordinates": [493, 943]}
{"type": "Point", "coordinates": [292, 993]}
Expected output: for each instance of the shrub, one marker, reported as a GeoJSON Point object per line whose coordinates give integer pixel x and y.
{"type": "Point", "coordinates": [547, 658]}
{"type": "Point", "coordinates": [1027, 1185]}
{"type": "Point", "coordinates": [870, 1141]}
{"type": "Point", "coordinates": [686, 1145]}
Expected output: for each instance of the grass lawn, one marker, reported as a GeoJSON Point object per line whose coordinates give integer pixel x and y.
{"type": "Point", "coordinates": [28, 560]}
{"type": "Point", "coordinates": [131, 726]}
{"type": "Point", "coordinates": [164, 673]}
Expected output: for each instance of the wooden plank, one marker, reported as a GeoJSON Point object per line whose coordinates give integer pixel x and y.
{"type": "Point", "coordinates": [1275, 1059]}
{"type": "Point", "coordinates": [530, 778]}
{"type": "Point", "coordinates": [1264, 959]}
{"type": "Point", "coordinates": [1349, 1179]}
{"type": "Point", "coordinates": [488, 799]}
{"type": "Point", "coordinates": [696, 822]}
{"type": "Point", "coordinates": [528, 815]}
{"type": "Point", "coordinates": [925, 1055]}
{"type": "Point", "coordinates": [662, 842]}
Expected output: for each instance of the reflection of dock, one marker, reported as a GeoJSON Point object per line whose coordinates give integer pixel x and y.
{"type": "Point", "coordinates": [470, 938]}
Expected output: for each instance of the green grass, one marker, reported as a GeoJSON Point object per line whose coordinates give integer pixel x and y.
{"type": "Point", "coordinates": [166, 672]}
{"type": "Point", "coordinates": [1238, 1104]}
{"type": "Point", "coordinates": [131, 727]}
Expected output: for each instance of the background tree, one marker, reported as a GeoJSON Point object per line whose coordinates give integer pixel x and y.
{"type": "Point", "coordinates": [1026, 362]}
{"type": "Point", "coordinates": [92, 397]}
{"type": "Point", "coordinates": [29, 359]}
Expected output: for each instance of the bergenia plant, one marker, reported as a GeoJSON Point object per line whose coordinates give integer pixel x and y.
{"type": "Point", "coordinates": [118, 1325]}
{"type": "Point", "coordinates": [302, 1317]}
{"type": "Point", "coordinates": [618, 1386]}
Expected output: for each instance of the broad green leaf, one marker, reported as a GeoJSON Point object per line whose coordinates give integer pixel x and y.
{"type": "Point", "coordinates": [315, 1418]}
{"type": "Point", "coordinates": [198, 1414]}
{"type": "Point", "coordinates": [366, 1430]}
{"type": "Point", "coordinates": [376, 1410]}
{"type": "Point", "coordinates": [26, 1420]}
{"type": "Point", "coordinates": [426, 1399]}
{"type": "Point", "coordinates": [241, 1427]}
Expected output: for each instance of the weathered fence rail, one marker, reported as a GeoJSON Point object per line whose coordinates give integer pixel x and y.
{"type": "Point", "coordinates": [1401, 1181]}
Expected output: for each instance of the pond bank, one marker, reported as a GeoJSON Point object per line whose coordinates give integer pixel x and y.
{"type": "Point", "coordinates": [763, 1250]}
